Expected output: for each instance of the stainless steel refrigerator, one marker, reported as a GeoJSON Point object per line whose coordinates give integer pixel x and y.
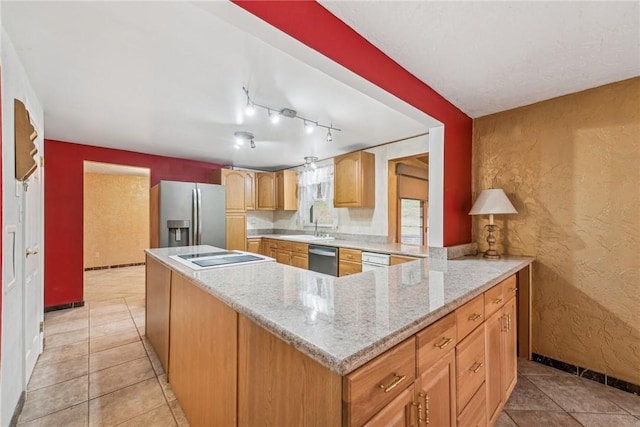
{"type": "Point", "coordinates": [187, 213]}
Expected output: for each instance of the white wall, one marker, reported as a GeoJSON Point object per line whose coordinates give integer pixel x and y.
{"type": "Point", "coordinates": [367, 221]}
{"type": "Point", "coordinates": [15, 84]}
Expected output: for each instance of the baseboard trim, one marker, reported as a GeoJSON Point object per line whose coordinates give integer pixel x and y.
{"type": "Point", "coordinates": [64, 306]}
{"type": "Point", "coordinates": [106, 267]}
{"type": "Point", "coordinates": [17, 411]}
{"type": "Point", "coordinates": [587, 373]}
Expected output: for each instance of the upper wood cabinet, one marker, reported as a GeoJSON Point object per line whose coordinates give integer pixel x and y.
{"type": "Point", "coordinates": [266, 189]}
{"type": "Point", "coordinates": [354, 180]}
{"type": "Point", "coordinates": [287, 190]}
{"type": "Point", "coordinates": [249, 191]}
{"type": "Point", "coordinates": [234, 183]}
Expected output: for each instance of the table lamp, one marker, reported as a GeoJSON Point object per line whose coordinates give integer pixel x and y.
{"type": "Point", "coordinates": [492, 202]}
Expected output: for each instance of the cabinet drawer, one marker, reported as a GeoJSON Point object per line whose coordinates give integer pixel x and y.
{"type": "Point", "coordinates": [509, 287]}
{"type": "Point", "coordinates": [474, 414]}
{"type": "Point", "coordinates": [354, 255]}
{"type": "Point", "coordinates": [346, 268]}
{"type": "Point", "coordinates": [493, 299]}
{"type": "Point", "coordinates": [300, 248]}
{"type": "Point", "coordinates": [435, 341]}
{"type": "Point", "coordinates": [372, 386]}
{"type": "Point", "coordinates": [470, 367]}
{"type": "Point", "coordinates": [283, 245]}
{"type": "Point", "coordinates": [469, 316]}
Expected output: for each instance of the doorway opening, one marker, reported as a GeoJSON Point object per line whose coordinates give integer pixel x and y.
{"type": "Point", "coordinates": [409, 199]}
{"type": "Point", "coordinates": [115, 219]}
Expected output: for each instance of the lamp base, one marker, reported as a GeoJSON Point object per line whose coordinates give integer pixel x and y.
{"type": "Point", "coordinates": [491, 254]}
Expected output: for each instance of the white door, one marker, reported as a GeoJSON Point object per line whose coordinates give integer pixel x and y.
{"type": "Point", "coordinates": [33, 267]}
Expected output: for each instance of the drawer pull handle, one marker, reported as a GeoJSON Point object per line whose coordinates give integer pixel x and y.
{"type": "Point", "coordinates": [514, 290]}
{"type": "Point", "coordinates": [476, 367]}
{"type": "Point", "coordinates": [508, 322]}
{"type": "Point", "coordinates": [419, 405]}
{"type": "Point", "coordinates": [426, 408]}
{"type": "Point", "coordinates": [442, 344]}
{"type": "Point", "coordinates": [475, 317]}
{"type": "Point", "coordinates": [497, 301]}
{"type": "Point", "coordinates": [397, 380]}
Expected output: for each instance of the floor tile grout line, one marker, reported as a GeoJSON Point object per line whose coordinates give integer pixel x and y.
{"type": "Point", "coordinates": [547, 395]}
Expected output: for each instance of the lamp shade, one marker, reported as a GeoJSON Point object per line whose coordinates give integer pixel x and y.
{"type": "Point", "coordinates": [492, 201]}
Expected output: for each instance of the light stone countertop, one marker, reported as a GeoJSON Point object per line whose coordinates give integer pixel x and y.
{"type": "Point", "coordinates": [388, 248]}
{"type": "Point", "coordinates": [344, 322]}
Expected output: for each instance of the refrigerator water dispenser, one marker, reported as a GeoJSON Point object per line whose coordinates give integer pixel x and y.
{"type": "Point", "coordinates": [179, 232]}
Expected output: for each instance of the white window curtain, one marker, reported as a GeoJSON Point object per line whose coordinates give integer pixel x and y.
{"type": "Point", "coordinates": [315, 188]}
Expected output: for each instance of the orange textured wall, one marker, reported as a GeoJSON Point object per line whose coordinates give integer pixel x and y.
{"type": "Point", "coordinates": [570, 166]}
{"type": "Point", "coordinates": [116, 219]}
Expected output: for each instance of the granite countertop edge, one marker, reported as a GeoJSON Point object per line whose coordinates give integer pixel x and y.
{"type": "Point", "coordinates": [346, 365]}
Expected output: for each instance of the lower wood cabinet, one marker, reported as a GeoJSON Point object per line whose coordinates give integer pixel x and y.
{"type": "Point", "coordinates": [158, 301]}
{"type": "Point", "coordinates": [203, 354]}
{"type": "Point", "coordinates": [300, 261]}
{"type": "Point", "coordinates": [349, 261]}
{"type": "Point", "coordinates": [436, 393]}
{"type": "Point", "coordinates": [398, 413]}
{"type": "Point", "coordinates": [253, 245]}
{"type": "Point", "coordinates": [236, 231]}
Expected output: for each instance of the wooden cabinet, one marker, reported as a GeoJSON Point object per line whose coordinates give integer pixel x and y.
{"type": "Point", "coordinates": [158, 298]}
{"type": "Point", "coordinates": [253, 245]}
{"type": "Point", "coordinates": [349, 261]}
{"type": "Point", "coordinates": [436, 392]}
{"type": "Point", "coordinates": [510, 365]}
{"type": "Point", "coordinates": [401, 259]}
{"type": "Point", "coordinates": [266, 191]}
{"type": "Point", "coordinates": [249, 190]}
{"type": "Point", "coordinates": [287, 190]}
{"type": "Point", "coordinates": [398, 413]}
{"type": "Point", "coordinates": [354, 180]}
{"type": "Point", "coordinates": [236, 231]}
{"type": "Point", "coordinates": [494, 349]}
{"type": "Point", "coordinates": [374, 385]}
{"type": "Point", "coordinates": [474, 415]}
{"type": "Point", "coordinates": [470, 367]}
{"type": "Point", "coordinates": [234, 184]}
{"type": "Point", "coordinates": [300, 255]}
{"type": "Point", "coordinates": [203, 354]}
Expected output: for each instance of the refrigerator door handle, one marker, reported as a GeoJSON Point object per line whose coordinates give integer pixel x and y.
{"type": "Point", "coordinates": [199, 217]}
{"type": "Point", "coordinates": [194, 210]}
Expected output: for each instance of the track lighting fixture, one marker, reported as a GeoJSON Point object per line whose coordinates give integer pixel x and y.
{"type": "Point", "coordinates": [274, 115]}
{"type": "Point", "coordinates": [241, 136]}
{"type": "Point", "coordinates": [310, 162]}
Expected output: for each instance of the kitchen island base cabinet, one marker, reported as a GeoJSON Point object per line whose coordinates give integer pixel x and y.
{"type": "Point", "coordinates": [203, 355]}
{"type": "Point", "coordinates": [399, 413]}
{"type": "Point", "coordinates": [437, 393]}
{"type": "Point", "coordinates": [280, 386]}
{"type": "Point", "coordinates": [158, 297]}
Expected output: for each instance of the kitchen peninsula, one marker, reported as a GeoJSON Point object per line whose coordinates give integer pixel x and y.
{"type": "Point", "coordinates": [271, 344]}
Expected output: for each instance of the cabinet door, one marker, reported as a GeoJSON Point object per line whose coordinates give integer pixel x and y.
{"type": "Point", "coordinates": [158, 296]}
{"type": "Point", "coordinates": [265, 185]}
{"type": "Point", "coordinates": [253, 245]}
{"type": "Point", "coordinates": [283, 257]}
{"type": "Point", "coordinates": [398, 413]}
{"type": "Point", "coordinates": [436, 393]}
{"type": "Point", "coordinates": [236, 231]}
{"type": "Point", "coordinates": [234, 190]}
{"type": "Point", "coordinates": [300, 261]}
{"type": "Point", "coordinates": [347, 180]}
{"type": "Point", "coordinates": [280, 190]}
{"type": "Point", "coordinates": [494, 337]}
{"type": "Point", "coordinates": [510, 365]}
{"type": "Point", "coordinates": [345, 268]}
{"type": "Point", "coordinates": [249, 191]}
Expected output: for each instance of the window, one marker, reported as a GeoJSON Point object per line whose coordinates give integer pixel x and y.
{"type": "Point", "coordinates": [316, 197]}
{"type": "Point", "coordinates": [412, 226]}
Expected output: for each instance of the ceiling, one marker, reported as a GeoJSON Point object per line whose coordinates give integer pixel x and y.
{"type": "Point", "coordinates": [491, 56]}
{"type": "Point", "coordinates": [166, 77]}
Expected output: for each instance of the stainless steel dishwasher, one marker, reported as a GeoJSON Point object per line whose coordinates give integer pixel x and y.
{"type": "Point", "coordinates": [323, 259]}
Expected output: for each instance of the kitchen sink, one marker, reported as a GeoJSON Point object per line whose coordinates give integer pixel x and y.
{"type": "Point", "coordinates": [306, 237]}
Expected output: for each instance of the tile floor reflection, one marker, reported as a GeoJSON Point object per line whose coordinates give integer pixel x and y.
{"type": "Point", "coordinates": [97, 369]}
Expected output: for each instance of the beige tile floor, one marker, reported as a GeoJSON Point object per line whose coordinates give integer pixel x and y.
{"type": "Point", "coordinates": [97, 369]}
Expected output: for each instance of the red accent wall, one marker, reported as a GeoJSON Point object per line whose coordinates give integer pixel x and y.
{"type": "Point", "coordinates": [316, 27]}
{"type": "Point", "coordinates": [63, 207]}
{"type": "Point", "coordinates": [1, 216]}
